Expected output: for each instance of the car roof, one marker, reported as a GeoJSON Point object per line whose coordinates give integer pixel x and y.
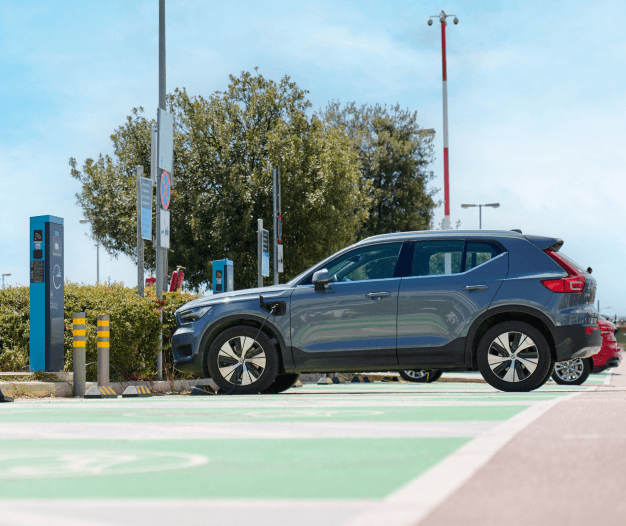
{"type": "Point", "coordinates": [419, 234]}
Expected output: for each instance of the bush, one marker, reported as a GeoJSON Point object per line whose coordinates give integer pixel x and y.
{"type": "Point", "coordinates": [134, 323]}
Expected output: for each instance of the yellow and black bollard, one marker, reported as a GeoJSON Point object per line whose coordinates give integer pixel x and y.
{"type": "Point", "coordinates": [79, 333]}
{"type": "Point", "coordinates": [103, 350]}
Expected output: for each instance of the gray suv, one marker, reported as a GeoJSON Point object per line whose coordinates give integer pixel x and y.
{"type": "Point", "coordinates": [503, 303]}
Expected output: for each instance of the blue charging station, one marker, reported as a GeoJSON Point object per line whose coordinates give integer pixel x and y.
{"type": "Point", "coordinates": [46, 293]}
{"type": "Point", "coordinates": [223, 278]}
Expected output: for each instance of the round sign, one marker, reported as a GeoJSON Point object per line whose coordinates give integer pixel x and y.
{"type": "Point", "coordinates": [165, 190]}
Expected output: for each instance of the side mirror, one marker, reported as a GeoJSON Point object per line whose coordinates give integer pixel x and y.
{"type": "Point", "coordinates": [320, 280]}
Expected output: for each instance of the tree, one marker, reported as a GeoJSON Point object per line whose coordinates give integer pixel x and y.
{"type": "Point", "coordinates": [224, 149]}
{"type": "Point", "coordinates": [394, 157]}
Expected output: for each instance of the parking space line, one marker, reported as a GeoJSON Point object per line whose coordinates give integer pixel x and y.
{"type": "Point", "coordinates": [411, 503]}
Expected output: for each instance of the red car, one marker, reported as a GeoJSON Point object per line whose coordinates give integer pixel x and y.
{"type": "Point", "coordinates": [575, 372]}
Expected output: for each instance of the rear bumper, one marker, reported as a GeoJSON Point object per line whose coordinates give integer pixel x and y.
{"type": "Point", "coordinates": [573, 341]}
{"type": "Point", "coordinates": [614, 361]}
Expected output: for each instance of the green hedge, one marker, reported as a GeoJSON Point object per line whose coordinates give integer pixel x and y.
{"type": "Point", "coordinates": [134, 323]}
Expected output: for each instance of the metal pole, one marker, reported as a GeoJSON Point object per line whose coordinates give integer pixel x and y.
{"type": "Point", "coordinates": [79, 334]}
{"type": "Point", "coordinates": [480, 217]}
{"type": "Point", "coordinates": [159, 250]}
{"type": "Point", "coordinates": [446, 166]}
{"type": "Point", "coordinates": [259, 226]}
{"type": "Point", "coordinates": [103, 349]}
{"type": "Point", "coordinates": [275, 223]}
{"type": "Point", "coordinates": [98, 263]}
{"type": "Point", "coordinates": [140, 257]}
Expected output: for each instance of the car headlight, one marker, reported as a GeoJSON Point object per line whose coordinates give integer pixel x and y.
{"type": "Point", "coordinates": [191, 315]}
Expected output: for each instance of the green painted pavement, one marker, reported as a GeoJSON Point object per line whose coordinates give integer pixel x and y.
{"type": "Point", "coordinates": [313, 468]}
{"type": "Point", "coordinates": [206, 413]}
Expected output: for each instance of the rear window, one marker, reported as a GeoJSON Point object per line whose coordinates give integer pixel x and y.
{"type": "Point", "coordinates": [479, 253]}
{"type": "Point", "coordinates": [429, 258]}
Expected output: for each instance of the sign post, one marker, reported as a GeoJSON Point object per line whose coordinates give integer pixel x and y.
{"type": "Point", "coordinates": [144, 223]}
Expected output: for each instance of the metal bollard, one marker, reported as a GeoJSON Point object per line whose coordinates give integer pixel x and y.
{"type": "Point", "coordinates": [103, 350]}
{"type": "Point", "coordinates": [79, 334]}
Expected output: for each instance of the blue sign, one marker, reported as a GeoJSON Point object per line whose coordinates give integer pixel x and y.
{"type": "Point", "coordinates": [146, 208]}
{"type": "Point", "coordinates": [165, 190]}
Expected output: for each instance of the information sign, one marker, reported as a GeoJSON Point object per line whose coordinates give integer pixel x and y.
{"type": "Point", "coordinates": [146, 208]}
{"type": "Point", "coordinates": [164, 230]}
{"type": "Point", "coordinates": [265, 261]}
{"type": "Point", "coordinates": [166, 140]}
{"type": "Point", "coordinates": [279, 263]}
{"type": "Point", "coordinates": [165, 190]}
{"type": "Point", "coordinates": [280, 229]}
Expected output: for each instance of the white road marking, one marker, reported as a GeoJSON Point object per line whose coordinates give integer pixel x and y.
{"type": "Point", "coordinates": [415, 500]}
{"type": "Point", "coordinates": [225, 512]}
{"type": "Point", "coordinates": [253, 430]}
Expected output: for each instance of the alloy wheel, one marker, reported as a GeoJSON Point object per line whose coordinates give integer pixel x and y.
{"type": "Point", "coordinates": [513, 356]}
{"type": "Point", "coordinates": [569, 371]}
{"type": "Point", "coordinates": [416, 373]}
{"type": "Point", "coordinates": [241, 360]}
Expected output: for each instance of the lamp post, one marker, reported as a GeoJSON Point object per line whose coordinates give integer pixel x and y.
{"type": "Point", "coordinates": [480, 211]}
{"type": "Point", "coordinates": [446, 168]}
{"type": "Point", "coordinates": [84, 222]}
{"type": "Point", "coordinates": [3, 279]}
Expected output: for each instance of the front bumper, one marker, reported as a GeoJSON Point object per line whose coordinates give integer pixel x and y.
{"type": "Point", "coordinates": [184, 351]}
{"type": "Point", "coordinates": [573, 342]}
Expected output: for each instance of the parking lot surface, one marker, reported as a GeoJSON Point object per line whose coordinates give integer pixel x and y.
{"type": "Point", "coordinates": [393, 453]}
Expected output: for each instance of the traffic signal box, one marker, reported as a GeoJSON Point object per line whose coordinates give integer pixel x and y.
{"type": "Point", "coordinates": [223, 279]}
{"type": "Point", "coordinates": [47, 304]}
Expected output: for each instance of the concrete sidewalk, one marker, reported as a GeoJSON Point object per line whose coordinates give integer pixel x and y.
{"type": "Point", "coordinates": [567, 467]}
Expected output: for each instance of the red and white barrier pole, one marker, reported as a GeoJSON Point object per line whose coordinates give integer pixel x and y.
{"type": "Point", "coordinates": [446, 164]}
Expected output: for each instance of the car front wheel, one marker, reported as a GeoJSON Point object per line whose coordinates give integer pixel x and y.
{"type": "Point", "coordinates": [514, 357]}
{"type": "Point", "coordinates": [243, 360]}
{"type": "Point", "coordinates": [572, 372]}
{"type": "Point", "coordinates": [421, 375]}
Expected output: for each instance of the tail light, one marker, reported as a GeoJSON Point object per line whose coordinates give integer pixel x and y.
{"type": "Point", "coordinates": [573, 283]}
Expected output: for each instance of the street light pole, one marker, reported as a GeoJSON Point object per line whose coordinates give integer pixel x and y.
{"type": "Point", "coordinates": [3, 279]}
{"type": "Point", "coordinates": [480, 211]}
{"type": "Point", "coordinates": [446, 165]}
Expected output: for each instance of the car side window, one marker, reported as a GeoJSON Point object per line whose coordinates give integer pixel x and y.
{"type": "Point", "coordinates": [367, 263]}
{"type": "Point", "coordinates": [479, 253]}
{"type": "Point", "coordinates": [430, 258]}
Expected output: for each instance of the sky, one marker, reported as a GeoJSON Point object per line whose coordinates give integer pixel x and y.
{"type": "Point", "coordinates": [536, 103]}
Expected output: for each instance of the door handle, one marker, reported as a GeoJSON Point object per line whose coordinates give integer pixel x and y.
{"type": "Point", "coordinates": [377, 295]}
{"type": "Point", "coordinates": [473, 288]}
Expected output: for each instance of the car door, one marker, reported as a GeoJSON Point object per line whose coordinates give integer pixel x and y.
{"type": "Point", "coordinates": [436, 305]}
{"type": "Point", "coordinates": [352, 323]}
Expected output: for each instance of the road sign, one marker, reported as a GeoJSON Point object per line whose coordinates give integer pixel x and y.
{"type": "Point", "coordinates": [164, 231]}
{"type": "Point", "coordinates": [153, 155]}
{"type": "Point", "coordinates": [265, 262]}
{"type": "Point", "coordinates": [165, 190]}
{"type": "Point", "coordinates": [166, 140]}
{"type": "Point", "coordinates": [280, 230]}
{"type": "Point", "coordinates": [146, 208]}
{"type": "Point", "coordinates": [279, 263]}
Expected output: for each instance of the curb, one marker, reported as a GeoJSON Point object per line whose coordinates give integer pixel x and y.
{"type": "Point", "coordinates": [65, 389]}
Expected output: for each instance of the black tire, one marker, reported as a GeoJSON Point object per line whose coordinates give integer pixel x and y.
{"type": "Point", "coordinates": [259, 368]}
{"type": "Point", "coordinates": [282, 383]}
{"type": "Point", "coordinates": [502, 367]}
{"type": "Point", "coordinates": [572, 372]}
{"type": "Point", "coordinates": [420, 375]}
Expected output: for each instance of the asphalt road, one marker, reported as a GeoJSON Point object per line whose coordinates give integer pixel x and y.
{"type": "Point", "coordinates": [383, 453]}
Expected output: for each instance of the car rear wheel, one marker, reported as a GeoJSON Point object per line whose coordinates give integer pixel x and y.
{"type": "Point", "coordinates": [421, 375]}
{"type": "Point", "coordinates": [243, 360]}
{"type": "Point", "coordinates": [514, 357]}
{"type": "Point", "coordinates": [572, 372]}
{"type": "Point", "coordinates": [282, 383]}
